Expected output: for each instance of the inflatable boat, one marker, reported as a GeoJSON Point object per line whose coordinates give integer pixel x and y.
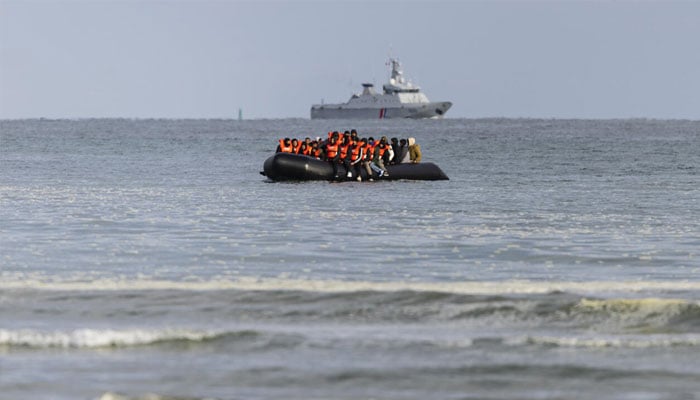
{"type": "Point", "coordinates": [295, 167]}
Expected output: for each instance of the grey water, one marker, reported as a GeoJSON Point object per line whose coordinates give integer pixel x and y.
{"type": "Point", "coordinates": [150, 259]}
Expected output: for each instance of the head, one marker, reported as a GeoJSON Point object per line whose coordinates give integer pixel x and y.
{"type": "Point", "coordinates": [363, 141]}
{"type": "Point", "coordinates": [383, 140]}
{"type": "Point", "coordinates": [287, 141]}
{"type": "Point", "coordinates": [394, 141]}
{"type": "Point", "coordinates": [402, 142]}
{"type": "Point", "coordinates": [411, 141]}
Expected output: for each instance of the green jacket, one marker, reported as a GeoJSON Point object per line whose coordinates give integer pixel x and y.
{"type": "Point", "coordinates": [414, 153]}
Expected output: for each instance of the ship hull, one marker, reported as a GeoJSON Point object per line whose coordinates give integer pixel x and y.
{"type": "Point", "coordinates": [417, 111]}
{"type": "Point", "coordinates": [294, 167]}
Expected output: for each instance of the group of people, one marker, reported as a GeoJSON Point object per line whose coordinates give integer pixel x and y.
{"type": "Point", "coordinates": [353, 152]}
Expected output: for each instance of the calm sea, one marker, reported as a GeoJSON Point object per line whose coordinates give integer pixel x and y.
{"type": "Point", "coordinates": [149, 259]}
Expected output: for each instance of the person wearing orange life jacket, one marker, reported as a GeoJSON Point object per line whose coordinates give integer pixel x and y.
{"type": "Point", "coordinates": [333, 154]}
{"type": "Point", "coordinates": [353, 159]}
{"type": "Point", "coordinates": [285, 146]}
{"type": "Point", "coordinates": [344, 146]}
{"type": "Point", "coordinates": [304, 149]}
{"type": "Point", "coordinates": [295, 146]}
{"type": "Point", "coordinates": [316, 150]}
{"type": "Point", "coordinates": [366, 157]}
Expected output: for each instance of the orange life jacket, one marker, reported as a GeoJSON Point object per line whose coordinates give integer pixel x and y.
{"type": "Point", "coordinates": [355, 153]}
{"type": "Point", "coordinates": [382, 149]}
{"type": "Point", "coordinates": [370, 151]}
{"type": "Point", "coordinates": [331, 150]}
{"type": "Point", "coordinates": [344, 151]}
{"type": "Point", "coordinates": [286, 148]}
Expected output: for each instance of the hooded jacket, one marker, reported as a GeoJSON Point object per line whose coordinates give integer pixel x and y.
{"type": "Point", "coordinates": [414, 151]}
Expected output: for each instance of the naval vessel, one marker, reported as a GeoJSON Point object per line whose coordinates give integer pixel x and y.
{"type": "Point", "coordinates": [400, 99]}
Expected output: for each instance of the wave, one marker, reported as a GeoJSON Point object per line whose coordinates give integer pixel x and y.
{"type": "Point", "coordinates": [626, 312]}
{"type": "Point", "coordinates": [21, 281]}
{"type": "Point", "coordinates": [148, 396]}
{"type": "Point", "coordinates": [260, 341]}
{"type": "Point", "coordinates": [651, 341]}
{"type": "Point", "coordinates": [106, 338]}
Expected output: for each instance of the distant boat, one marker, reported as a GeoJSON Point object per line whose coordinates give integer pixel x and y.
{"type": "Point", "coordinates": [401, 99]}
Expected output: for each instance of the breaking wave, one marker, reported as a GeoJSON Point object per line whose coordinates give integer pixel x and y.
{"type": "Point", "coordinates": [106, 338]}
{"type": "Point", "coordinates": [649, 341]}
{"type": "Point", "coordinates": [24, 281]}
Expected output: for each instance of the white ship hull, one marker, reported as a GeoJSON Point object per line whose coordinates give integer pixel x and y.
{"type": "Point", "coordinates": [343, 111]}
{"type": "Point", "coordinates": [400, 99]}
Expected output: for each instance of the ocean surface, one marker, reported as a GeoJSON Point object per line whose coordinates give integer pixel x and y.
{"type": "Point", "coordinates": [149, 259]}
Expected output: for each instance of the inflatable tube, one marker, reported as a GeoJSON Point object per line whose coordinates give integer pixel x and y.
{"type": "Point", "coordinates": [295, 167]}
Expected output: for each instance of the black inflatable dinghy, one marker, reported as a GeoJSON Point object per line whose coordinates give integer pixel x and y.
{"type": "Point", "coordinates": [295, 167]}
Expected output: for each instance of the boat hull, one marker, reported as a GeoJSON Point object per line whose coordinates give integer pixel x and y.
{"type": "Point", "coordinates": [294, 167]}
{"type": "Point", "coordinates": [417, 111]}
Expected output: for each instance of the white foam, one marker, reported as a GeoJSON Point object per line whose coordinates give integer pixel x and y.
{"type": "Point", "coordinates": [647, 341]}
{"type": "Point", "coordinates": [276, 284]}
{"type": "Point", "coordinates": [95, 338]}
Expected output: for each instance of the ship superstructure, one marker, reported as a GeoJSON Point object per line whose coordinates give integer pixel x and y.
{"type": "Point", "coordinates": [400, 99]}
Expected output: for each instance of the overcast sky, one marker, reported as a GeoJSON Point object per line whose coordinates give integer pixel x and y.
{"type": "Point", "coordinates": [273, 59]}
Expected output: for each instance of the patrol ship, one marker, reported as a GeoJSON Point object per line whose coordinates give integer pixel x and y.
{"type": "Point", "coordinates": [401, 99]}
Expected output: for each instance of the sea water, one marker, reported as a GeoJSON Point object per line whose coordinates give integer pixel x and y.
{"type": "Point", "coordinates": [149, 259]}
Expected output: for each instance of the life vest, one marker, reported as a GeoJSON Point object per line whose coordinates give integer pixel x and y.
{"type": "Point", "coordinates": [284, 148]}
{"type": "Point", "coordinates": [331, 150]}
{"type": "Point", "coordinates": [370, 151]}
{"type": "Point", "coordinates": [382, 149]}
{"type": "Point", "coordinates": [306, 151]}
{"type": "Point", "coordinates": [344, 151]}
{"type": "Point", "coordinates": [365, 150]}
{"type": "Point", "coordinates": [355, 153]}
{"type": "Point", "coordinates": [316, 153]}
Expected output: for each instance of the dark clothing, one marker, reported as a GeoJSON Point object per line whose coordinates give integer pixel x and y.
{"type": "Point", "coordinates": [353, 166]}
{"type": "Point", "coordinates": [399, 154]}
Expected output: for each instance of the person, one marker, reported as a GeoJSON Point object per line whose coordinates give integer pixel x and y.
{"type": "Point", "coordinates": [388, 153]}
{"type": "Point", "coordinates": [353, 159]}
{"type": "Point", "coordinates": [366, 158]}
{"type": "Point", "coordinates": [414, 152]}
{"type": "Point", "coordinates": [345, 145]}
{"type": "Point", "coordinates": [304, 149]}
{"type": "Point", "coordinates": [295, 146]}
{"type": "Point", "coordinates": [316, 150]}
{"type": "Point", "coordinates": [394, 149]}
{"type": "Point", "coordinates": [285, 146]}
{"type": "Point", "coordinates": [378, 157]}
{"type": "Point", "coordinates": [333, 153]}
{"type": "Point", "coordinates": [401, 155]}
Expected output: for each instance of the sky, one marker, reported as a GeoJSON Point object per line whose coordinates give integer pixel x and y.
{"type": "Point", "coordinates": [274, 59]}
